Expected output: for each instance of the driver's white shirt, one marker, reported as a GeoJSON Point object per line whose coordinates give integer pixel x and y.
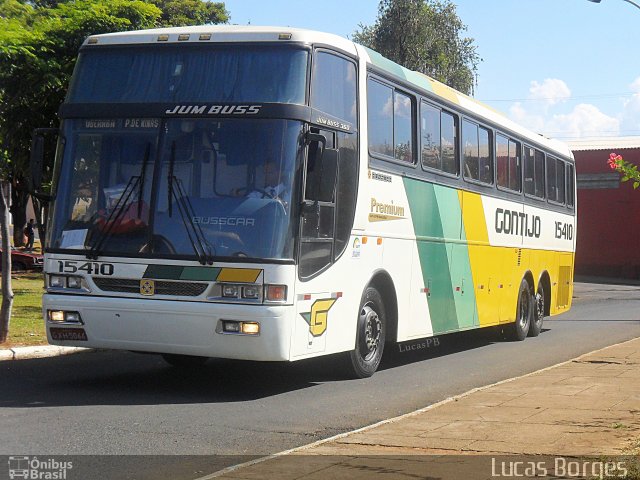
{"type": "Point", "coordinates": [274, 192]}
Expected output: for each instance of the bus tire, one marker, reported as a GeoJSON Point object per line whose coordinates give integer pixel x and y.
{"type": "Point", "coordinates": [524, 313]}
{"type": "Point", "coordinates": [538, 312]}
{"type": "Point", "coordinates": [370, 335]}
{"type": "Point", "coordinates": [184, 361]}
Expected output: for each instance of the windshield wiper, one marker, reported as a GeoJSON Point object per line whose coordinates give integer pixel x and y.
{"type": "Point", "coordinates": [175, 190]}
{"type": "Point", "coordinates": [114, 218]}
{"type": "Point", "coordinates": [136, 182]}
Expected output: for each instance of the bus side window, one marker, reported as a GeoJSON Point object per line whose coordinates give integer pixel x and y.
{"type": "Point", "coordinates": [431, 137]}
{"type": "Point", "coordinates": [529, 171]}
{"type": "Point", "coordinates": [570, 188]}
{"type": "Point", "coordinates": [470, 150]}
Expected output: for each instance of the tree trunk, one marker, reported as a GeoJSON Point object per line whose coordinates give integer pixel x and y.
{"type": "Point", "coordinates": [7, 291]}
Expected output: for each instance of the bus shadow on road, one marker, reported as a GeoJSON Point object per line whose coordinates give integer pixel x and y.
{"type": "Point", "coordinates": [423, 349]}
{"type": "Point", "coordinates": [125, 378]}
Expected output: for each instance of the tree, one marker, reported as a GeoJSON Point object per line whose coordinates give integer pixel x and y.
{"type": "Point", "coordinates": [39, 42]}
{"type": "Point", "coordinates": [179, 13]}
{"type": "Point", "coordinates": [426, 36]}
{"type": "Point", "coordinates": [7, 291]}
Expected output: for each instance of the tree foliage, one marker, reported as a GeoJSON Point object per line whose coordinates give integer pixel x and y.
{"type": "Point", "coordinates": [426, 36]}
{"type": "Point", "coordinates": [179, 13]}
{"type": "Point", "coordinates": [39, 42]}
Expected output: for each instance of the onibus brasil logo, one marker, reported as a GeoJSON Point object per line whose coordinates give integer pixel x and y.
{"type": "Point", "coordinates": [38, 469]}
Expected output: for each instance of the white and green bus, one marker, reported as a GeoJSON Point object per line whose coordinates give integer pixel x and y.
{"type": "Point", "coordinates": [278, 194]}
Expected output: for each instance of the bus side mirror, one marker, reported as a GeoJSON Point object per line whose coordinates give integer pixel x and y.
{"type": "Point", "coordinates": [328, 175]}
{"type": "Point", "coordinates": [37, 161]}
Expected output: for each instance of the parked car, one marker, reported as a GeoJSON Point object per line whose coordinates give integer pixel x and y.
{"type": "Point", "coordinates": [21, 260]}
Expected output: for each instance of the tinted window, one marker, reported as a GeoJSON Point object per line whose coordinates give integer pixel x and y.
{"type": "Point", "coordinates": [402, 128]}
{"type": "Point", "coordinates": [438, 136]}
{"type": "Point", "coordinates": [470, 149]}
{"type": "Point", "coordinates": [430, 136]}
{"type": "Point", "coordinates": [539, 174]}
{"type": "Point", "coordinates": [380, 108]}
{"type": "Point", "coordinates": [555, 180]}
{"type": "Point", "coordinates": [476, 151]}
{"type": "Point", "coordinates": [333, 87]}
{"type": "Point", "coordinates": [515, 170]}
{"type": "Point", "coordinates": [508, 163]}
{"type": "Point", "coordinates": [485, 164]}
{"type": "Point", "coordinates": [390, 116]}
{"type": "Point", "coordinates": [188, 73]}
{"type": "Point", "coordinates": [533, 172]}
{"type": "Point", "coordinates": [449, 125]}
{"type": "Point", "coordinates": [570, 187]}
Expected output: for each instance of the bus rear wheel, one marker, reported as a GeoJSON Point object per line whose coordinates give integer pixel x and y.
{"type": "Point", "coordinates": [538, 312]}
{"type": "Point", "coordinates": [184, 361]}
{"type": "Point", "coordinates": [370, 335]}
{"type": "Point", "coordinates": [524, 313]}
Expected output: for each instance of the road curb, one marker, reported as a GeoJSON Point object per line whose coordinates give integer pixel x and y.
{"type": "Point", "coordinates": [454, 398]}
{"type": "Point", "coordinates": [40, 351]}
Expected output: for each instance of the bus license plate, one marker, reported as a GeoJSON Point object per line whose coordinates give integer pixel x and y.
{"type": "Point", "coordinates": [76, 334]}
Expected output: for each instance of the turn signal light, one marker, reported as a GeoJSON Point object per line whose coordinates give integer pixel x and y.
{"type": "Point", "coordinates": [276, 293]}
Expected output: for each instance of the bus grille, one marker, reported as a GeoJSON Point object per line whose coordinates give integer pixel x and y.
{"type": "Point", "coordinates": [126, 285]}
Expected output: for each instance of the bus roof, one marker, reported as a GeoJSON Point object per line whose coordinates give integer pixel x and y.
{"type": "Point", "coordinates": [222, 34]}
{"type": "Point", "coordinates": [250, 33]}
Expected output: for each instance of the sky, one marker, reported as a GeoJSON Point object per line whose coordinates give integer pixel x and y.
{"type": "Point", "coordinates": [567, 69]}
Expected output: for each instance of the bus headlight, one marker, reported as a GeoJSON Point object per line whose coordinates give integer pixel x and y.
{"type": "Point", "coordinates": [65, 281]}
{"type": "Point", "coordinates": [242, 328]}
{"type": "Point", "coordinates": [250, 291]}
{"type": "Point", "coordinates": [61, 316]}
{"type": "Point", "coordinates": [57, 281]}
{"type": "Point", "coordinates": [74, 282]}
{"type": "Point", "coordinates": [230, 291]}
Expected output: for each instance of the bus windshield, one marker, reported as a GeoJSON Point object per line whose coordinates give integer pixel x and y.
{"type": "Point", "coordinates": [199, 188]}
{"type": "Point", "coordinates": [185, 73]}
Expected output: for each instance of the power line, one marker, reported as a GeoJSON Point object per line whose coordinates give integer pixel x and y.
{"type": "Point", "coordinates": [607, 95]}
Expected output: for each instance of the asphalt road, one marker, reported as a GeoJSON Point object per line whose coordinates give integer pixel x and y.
{"type": "Point", "coordinates": [121, 403]}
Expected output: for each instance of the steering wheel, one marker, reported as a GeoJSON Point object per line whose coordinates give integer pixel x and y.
{"type": "Point", "coordinates": [161, 244]}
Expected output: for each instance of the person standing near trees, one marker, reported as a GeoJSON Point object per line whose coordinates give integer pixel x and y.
{"type": "Point", "coordinates": [29, 231]}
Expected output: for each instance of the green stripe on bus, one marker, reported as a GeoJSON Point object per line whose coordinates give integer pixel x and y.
{"type": "Point", "coordinates": [200, 273]}
{"type": "Point", "coordinates": [434, 252]}
{"type": "Point", "coordinates": [459, 262]}
{"type": "Point", "coordinates": [414, 77]}
{"type": "Point", "coordinates": [164, 272]}
{"type": "Point", "coordinates": [178, 272]}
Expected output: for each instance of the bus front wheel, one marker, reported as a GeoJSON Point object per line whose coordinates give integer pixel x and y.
{"type": "Point", "coordinates": [370, 335]}
{"type": "Point", "coordinates": [524, 313]}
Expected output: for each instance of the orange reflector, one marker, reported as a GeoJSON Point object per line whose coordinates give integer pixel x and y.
{"type": "Point", "coordinates": [379, 241]}
{"type": "Point", "coordinates": [364, 239]}
{"type": "Point", "coordinates": [276, 293]}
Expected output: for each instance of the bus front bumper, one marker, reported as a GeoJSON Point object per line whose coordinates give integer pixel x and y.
{"type": "Point", "coordinates": [185, 328]}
